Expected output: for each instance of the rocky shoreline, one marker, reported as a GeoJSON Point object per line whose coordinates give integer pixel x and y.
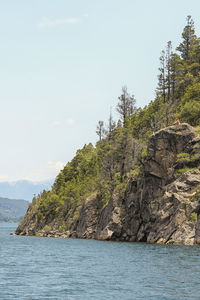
{"type": "Point", "coordinates": [162, 206]}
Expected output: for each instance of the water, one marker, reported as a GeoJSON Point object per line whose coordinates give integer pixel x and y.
{"type": "Point", "coordinates": [33, 268]}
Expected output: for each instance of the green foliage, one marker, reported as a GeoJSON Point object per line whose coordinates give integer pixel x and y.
{"type": "Point", "coordinates": [121, 189]}
{"type": "Point", "coordinates": [122, 149]}
{"type": "Point", "coordinates": [135, 173]}
{"type": "Point", "coordinates": [195, 157]}
{"type": "Point", "coordinates": [74, 180]}
{"type": "Point", "coordinates": [126, 104]}
{"type": "Point", "coordinates": [62, 226]}
{"type": "Point", "coordinates": [83, 165]}
{"type": "Point", "coordinates": [188, 39]}
{"type": "Point", "coordinates": [145, 121]}
{"type": "Point", "coordinates": [50, 203]}
{"type": "Point", "coordinates": [190, 113]}
{"type": "Point", "coordinates": [181, 171]}
{"type": "Point", "coordinates": [197, 133]}
{"type": "Point", "coordinates": [189, 108]}
{"type": "Point", "coordinates": [74, 183]}
{"type": "Point", "coordinates": [182, 157]}
{"type": "Point", "coordinates": [104, 197]}
{"type": "Point", "coordinates": [144, 154]}
{"type": "Point", "coordinates": [193, 217]}
{"type": "Point", "coordinates": [47, 228]}
{"type": "Point", "coordinates": [186, 158]}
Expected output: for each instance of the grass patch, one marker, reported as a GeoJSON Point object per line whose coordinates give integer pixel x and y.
{"type": "Point", "coordinates": [62, 227]}
{"type": "Point", "coordinates": [47, 228]}
{"type": "Point", "coordinates": [181, 171]}
{"type": "Point", "coordinates": [193, 217]}
{"type": "Point", "coordinates": [195, 156]}
{"type": "Point", "coordinates": [144, 154]}
{"type": "Point", "coordinates": [183, 157]}
{"type": "Point", "coordinates": [195, 146]}
{"type": "Point", "coordinates": [186, 157]}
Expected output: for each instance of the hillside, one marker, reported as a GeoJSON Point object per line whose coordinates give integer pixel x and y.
{"type": "Point", "coordinates": [141, 181]}
{"type": "Point", "coordinates": [161, 205]}
{"type": "Point", "coordinates": [12, 210]}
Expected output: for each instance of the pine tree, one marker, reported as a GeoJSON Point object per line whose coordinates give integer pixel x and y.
{"type": "Point", "coordinates": [161, 89]}
{"type": "Point", "coordinates": [168, 69]}
{"type": "Point", "coordinates": [175, 63]}
{"type": "Point", "coordinates": [111, 124]}
{"type": "Point", "coordinates": [100, 129]}
{"type": "Point", "coordinates": [189, 39]}
{"type": "Point", "coordinates": [126, 105]}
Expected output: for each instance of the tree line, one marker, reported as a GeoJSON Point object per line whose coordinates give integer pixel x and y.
{"type": "Point", "coordinates": [178, 81]}
{"type": "Point", "coordinates": [121, 150]}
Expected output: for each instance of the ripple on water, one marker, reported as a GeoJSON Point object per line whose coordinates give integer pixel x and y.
{"type": "Point", "coordinates": [33, 268]}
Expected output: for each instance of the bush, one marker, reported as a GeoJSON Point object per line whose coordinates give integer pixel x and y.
{"type": "Point", "coordinates": [182, 157]}
{"type": "Point", "coordinates": [190, 113]}
{"type": "Point", "coordinates": [189, 108]}
{"type": "Point", "coordinates": [193, 217]}
{"type": "Point", "coordinates": [181, 171]}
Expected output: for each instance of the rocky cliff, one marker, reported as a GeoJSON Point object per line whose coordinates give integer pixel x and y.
{"type": "Point", "coordinates": [161, 205]}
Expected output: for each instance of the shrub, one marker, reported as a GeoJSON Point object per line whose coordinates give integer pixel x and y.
{"type": "Point", "coordinates": [181, 157]}
{"type": "Point", "coordinates": [181, 171]}
{"type": "Point", "coordinates": [189, 108]}
{"type": "Point", "coordinates": [144, 154]}
{"type": "Point", "coordinates": [193, 217]}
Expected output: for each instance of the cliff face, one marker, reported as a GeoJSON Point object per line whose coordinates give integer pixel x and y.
{"type": "Point", "coordinates": [161, 206]}
{"type": "Point", "coordinates": [169, 194]}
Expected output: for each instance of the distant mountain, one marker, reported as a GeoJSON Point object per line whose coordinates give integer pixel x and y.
{"type": "Point", "coordinates": [23, 189]}
{"type": "Point", "coordinates": [12, 210]}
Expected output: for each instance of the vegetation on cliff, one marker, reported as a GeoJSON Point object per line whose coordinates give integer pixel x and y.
{"type": "Point", "coordinates": [120, 154]}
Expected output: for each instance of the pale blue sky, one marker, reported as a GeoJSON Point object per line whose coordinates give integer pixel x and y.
{"type": "Point", "coordinates": [62, 66]}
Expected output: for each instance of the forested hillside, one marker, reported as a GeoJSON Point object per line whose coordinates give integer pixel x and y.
{"type": "Point", "coordinates": [12, 210]}
{"type": "Point", "coordinates": [119, 159]}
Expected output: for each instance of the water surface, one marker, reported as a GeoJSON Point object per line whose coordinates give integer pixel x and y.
{"type": "Point", "coordinates": [33, 268]}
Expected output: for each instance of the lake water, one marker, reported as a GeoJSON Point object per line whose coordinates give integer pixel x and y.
{"type": "Point", "coordinates": [47, 268]}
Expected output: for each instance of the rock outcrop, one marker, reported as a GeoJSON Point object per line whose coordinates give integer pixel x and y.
{"type": "Point", "coordinates": [161, 206]}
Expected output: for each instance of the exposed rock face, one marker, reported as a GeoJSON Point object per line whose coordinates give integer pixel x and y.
{"type": "Point", "coordinates": [163, 206]}
{"type": "Point", "coordinates": [169, 218]}
{"type": "Point", "coordinates": [166, 205]}
{"type": "Point", "coordinates": [163, 149]}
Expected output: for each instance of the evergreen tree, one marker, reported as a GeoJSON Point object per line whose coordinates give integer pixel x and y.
{"type": "Point", "coordinates": [168, 69]}
{"type": "Point", "coordinates": [162, 76]}
{"type": "Point", "coordinates": [111, 124]}
{"type": "Point", "coordinates": [176, 73]}
{"type": "Point", "coordinates": [126, 105]}
{"type": "Point", "coordinates": [100, 129]}
{"type": "Point", "coordinates": [189, 39]}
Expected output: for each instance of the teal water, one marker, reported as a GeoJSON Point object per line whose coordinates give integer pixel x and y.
{"type": "Point", "coordinates": [33, 268]}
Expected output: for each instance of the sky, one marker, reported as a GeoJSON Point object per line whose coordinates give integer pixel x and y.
{"type": "Point", "coordinates": [62, 66]}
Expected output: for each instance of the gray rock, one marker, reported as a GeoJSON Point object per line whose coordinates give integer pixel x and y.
{"type": "Point", "coordinates": [162, 209]}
